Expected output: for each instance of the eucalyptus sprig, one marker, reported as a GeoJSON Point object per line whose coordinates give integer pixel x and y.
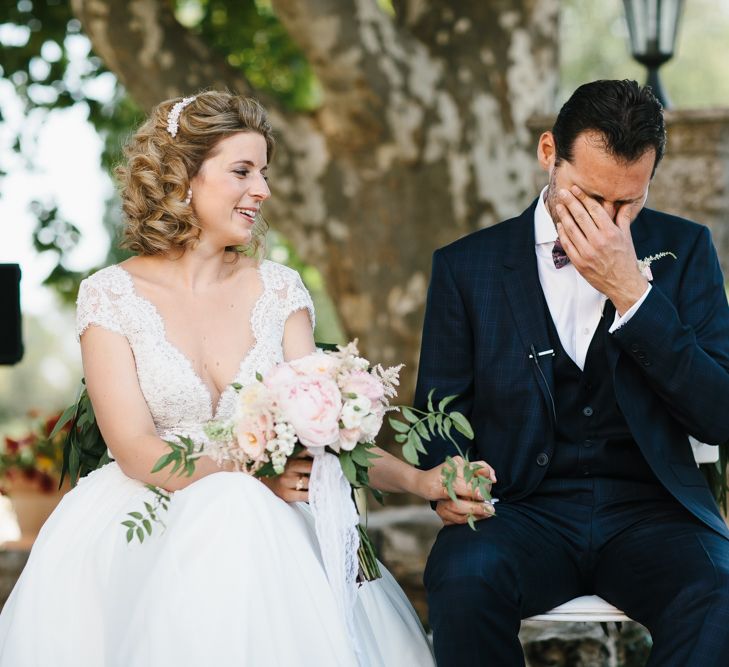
{"type": "Point", "coordinates": [423, 425]}
{"type": "Point", "coordinates": [139, 523]}
{"type": "Point", "coordinates": [181, 457]}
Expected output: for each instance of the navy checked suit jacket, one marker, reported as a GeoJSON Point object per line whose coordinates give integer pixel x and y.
{"type": "Point", "coordinates": [670, 361]}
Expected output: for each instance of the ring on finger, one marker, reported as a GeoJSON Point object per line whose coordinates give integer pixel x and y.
{"type": "Point", "coordinates": [300, 483]}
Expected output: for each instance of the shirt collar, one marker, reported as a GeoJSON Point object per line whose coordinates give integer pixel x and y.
{"type": "Point", "coordinates": [544, 229]}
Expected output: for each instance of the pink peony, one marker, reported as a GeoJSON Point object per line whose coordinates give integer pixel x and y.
{"type": "Point", "coordinates": [316, 363]}
{"type": "Point", "coordinates": [279, 375]}
{"type": "Point", "coordinates": [253, 431]}
{"type": "Point", "coordinates": [363, 384]}
{"type": "Point", "coordinates": [312, 406]}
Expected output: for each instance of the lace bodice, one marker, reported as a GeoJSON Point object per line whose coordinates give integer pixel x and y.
{"type": "Point", "coordinates": [178, 399]}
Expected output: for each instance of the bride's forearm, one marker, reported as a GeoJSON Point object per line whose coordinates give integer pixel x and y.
{"type": "Point", "coordinates": [390, 474]}
{"type": "Point", "coordinates": [138, 458]}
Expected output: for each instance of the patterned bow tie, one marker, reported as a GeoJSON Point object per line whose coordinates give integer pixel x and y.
{"type": "Point", "coordinates": [559, 256]}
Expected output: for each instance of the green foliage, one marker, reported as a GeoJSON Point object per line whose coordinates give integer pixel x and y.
{"type": "Point", "coordinates": [36, 457]}
{"type": "Point", "coordinates": [250, 38]}
{"type": "Point", "coordinates": [139, 524]}
{"type": "Point", "coordinates": [422, 425]}
{"type": "Point", "coordinates": [84, 450]}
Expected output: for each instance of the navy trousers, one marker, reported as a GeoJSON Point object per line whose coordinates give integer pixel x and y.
{"type": "Point", "coordinates": [630, 543]}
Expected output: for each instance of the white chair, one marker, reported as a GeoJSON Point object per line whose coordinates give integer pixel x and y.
{"type": "Point", "coordinates": [588, 608]}
{"type": "Point", "coordinates": [591, 608]}
{"type": "Point", "coordinates": [704, 453]}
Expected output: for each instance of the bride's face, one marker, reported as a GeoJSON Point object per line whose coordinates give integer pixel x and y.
{"type": "Point", "coordinates": [228, 190]}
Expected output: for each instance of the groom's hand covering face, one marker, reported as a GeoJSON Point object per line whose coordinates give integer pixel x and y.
{"type": "Point", "coordinates": [593, 199]}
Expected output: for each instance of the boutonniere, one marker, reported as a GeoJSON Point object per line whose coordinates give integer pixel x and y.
{"type": "Point", "coordinates": [644, 265]}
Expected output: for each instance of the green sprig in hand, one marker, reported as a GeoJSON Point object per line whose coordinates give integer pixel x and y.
{"type": "Point", "coordinates": [422, 425]}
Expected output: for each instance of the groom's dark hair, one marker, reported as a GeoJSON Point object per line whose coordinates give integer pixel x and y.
{"type": "Point", "coordinates": [627, 116]}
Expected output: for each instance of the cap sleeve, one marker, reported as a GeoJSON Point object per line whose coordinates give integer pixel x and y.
{"type": "Point", "coordinates": [94, 307]}
{"type": "Point", "coordinates": [298, 298]}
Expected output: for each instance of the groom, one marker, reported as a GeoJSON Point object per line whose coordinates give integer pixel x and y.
{"type": "Point", "coordinates": [583, 371]}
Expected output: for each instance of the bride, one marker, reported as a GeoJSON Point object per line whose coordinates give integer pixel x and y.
{"type": "Point", "coordinates": [236, 576]}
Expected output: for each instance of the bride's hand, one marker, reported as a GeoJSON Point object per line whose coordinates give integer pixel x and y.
{"type": "Point", "coordinates": [292, 485]}
{"type": "Point", "coordinates": [469, 502]}
{"type": "Point", "coordinates": [430, 482]}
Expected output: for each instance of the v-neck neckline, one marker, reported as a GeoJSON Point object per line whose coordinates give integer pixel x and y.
{"type": "Point", "coordinates": [213, 406]}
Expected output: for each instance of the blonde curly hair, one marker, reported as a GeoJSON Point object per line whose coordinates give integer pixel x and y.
{"type": "Point", "coordinates": [156, 177]}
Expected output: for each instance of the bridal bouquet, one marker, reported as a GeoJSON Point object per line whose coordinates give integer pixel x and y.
{"type": "Point", "coordinates": [326, 401]}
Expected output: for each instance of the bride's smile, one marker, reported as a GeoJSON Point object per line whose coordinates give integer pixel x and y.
{"type": "Point", "coordinates": [229, 189]}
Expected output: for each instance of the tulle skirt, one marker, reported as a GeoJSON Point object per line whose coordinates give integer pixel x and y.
{"type": "Point", "coordinates": [234, 578]}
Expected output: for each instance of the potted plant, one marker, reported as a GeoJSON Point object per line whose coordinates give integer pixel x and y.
{"type": "Point", "coordinates": [30, 474]}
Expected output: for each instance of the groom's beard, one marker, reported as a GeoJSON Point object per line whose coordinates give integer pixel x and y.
{"type": "Point", "coordinates": [550, 199]}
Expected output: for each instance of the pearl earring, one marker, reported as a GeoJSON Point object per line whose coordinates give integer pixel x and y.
{"type": "Point", "coordinates": [188, 199]}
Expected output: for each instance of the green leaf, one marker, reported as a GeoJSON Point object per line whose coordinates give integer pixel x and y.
{"type": "Point", "coordinates": [409, 414]}
{"type": "Point", "coordinates": [430, 400]}
{"type": "Point", "coordinates": [259, 377]}
{"type": "Point", "coordinates": [431, 423]}
{"type": "Point", "coordinates": [360, 456]}
{"type": "Point", "coordinates": [136, 515]}
{"type": "Point", "coordinates": [400, 437]}
{"type": "Point", "coordinates": [163, 462]}
{"type": "Point", "coordinates": [348, 467]}
{"type": "Point", "coordinates": [410, 454]}
{"type": "Point", "coordinates": [399, 426]}
{"type": "Point", "coordinates": [130, 535]}
{"type": "Point", "coordinates": [129, 524]}
{"type": "Point", "coordinates": [444, 403]}
{"type": "Point", "coordinates": [140, 534]}
{"type": "Point", "coordinates": [65, 417]}
{"type": "Point", "coordinates": [422, 431]}
{"type": "Point", "coordinates": [415, 440]}
{"type": "Point", "coordinates": [147, 526]}
{"type": "Point", "coordinates": [462, 424]}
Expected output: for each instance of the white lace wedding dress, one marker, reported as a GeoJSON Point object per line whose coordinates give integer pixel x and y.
{"type": "Point", "coordinates": [235, 578]}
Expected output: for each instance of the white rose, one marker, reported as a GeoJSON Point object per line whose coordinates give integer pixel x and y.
{"type": "Point", "coordinates": [371, 425]}
{"type": "Point", "coordinates": [354, 411]}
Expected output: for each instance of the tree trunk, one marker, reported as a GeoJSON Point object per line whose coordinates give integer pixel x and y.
{"type": "Point", "coordinates": [422, 136]}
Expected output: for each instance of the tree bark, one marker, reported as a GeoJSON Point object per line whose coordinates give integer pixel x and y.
{"type": "Point", "coordinates": [422, 135]}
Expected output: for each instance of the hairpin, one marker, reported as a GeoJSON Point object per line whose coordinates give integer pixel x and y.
{"type": "Point", "coordinates": [173, 117]}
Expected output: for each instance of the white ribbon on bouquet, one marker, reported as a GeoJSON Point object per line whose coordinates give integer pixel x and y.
{"type": "Point", "coordinates": [336, 521]}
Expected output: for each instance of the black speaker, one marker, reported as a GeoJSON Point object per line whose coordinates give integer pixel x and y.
{"type": "Point", "coordinates": [11, 335]}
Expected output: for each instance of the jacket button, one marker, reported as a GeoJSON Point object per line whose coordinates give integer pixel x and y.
{"type": "Point", "coordinates": [587, 411]}
{"type": "Point", "coordinates": [588, 443]}
{"type": "Point", "coordinates": [634, 347]}
{"type": "Point", "coordinates": [542, 459]}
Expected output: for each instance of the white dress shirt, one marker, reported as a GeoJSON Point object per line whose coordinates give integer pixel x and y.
{"type": "Point", "coordinates": [575, 305]}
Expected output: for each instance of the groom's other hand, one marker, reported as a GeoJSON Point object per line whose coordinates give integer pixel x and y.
{"type": "Point", "coordinates": [596, 237]}
{"type": "Point", "coordinates": [451, 512]}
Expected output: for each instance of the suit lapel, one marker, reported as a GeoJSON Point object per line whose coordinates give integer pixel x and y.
{"type": "Point", "coordinates": [524, 295]}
